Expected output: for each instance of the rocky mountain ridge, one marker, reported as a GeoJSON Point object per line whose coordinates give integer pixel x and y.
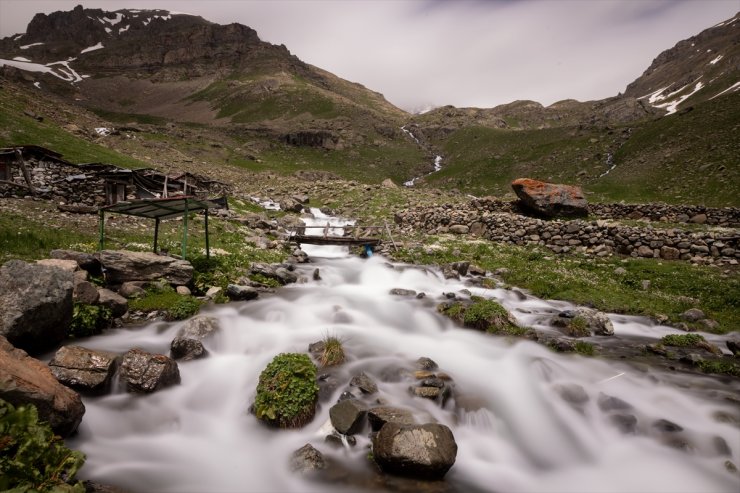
{"type": "Point", "coordinates": [210, 94]}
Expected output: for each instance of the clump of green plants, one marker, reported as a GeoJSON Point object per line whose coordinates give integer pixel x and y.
{"type": "Point", "coordinates": [577, 327]}
{"type": "Point", "coordinates": [488, 315]}
{"type": "Point", "coordinates": [32, 457]}
{"type": "Point", "coordinates": [483, 314]}
{"type": "Point", "coordinates": [185, 307]}
{"type": "Point", "coordinates": [88, 320]}
{"type": "Point", "coordinates": [683, 340]}
{"type": "Point", "coordinates": [264, 280]}
{"type": "Point", "coordinates": [332, 353]}
{"type": "Point", "coordinates": [287, 392]}
{"type": "Point", "coordinates": [720, 367]}
{"type": "Point", "coordinates": [585, 348]}
{"type": "Point", "coordinates": [163, 297]}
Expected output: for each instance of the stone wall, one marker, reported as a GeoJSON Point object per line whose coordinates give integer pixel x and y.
{"type": "Point", "coordinates": [600, 237]}
{"type": "Point", "coordinates": [699, 214]}
{"type": "Point", "coordinates": [57, 181]}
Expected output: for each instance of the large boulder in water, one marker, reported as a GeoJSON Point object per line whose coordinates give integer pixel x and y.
{"type": "Point", "coordinates": [423, 451]}
{"type": "Point", "coordinates": [549, 199]}
{"type": "Point", "coordinates": [25, 380]}
{"type": "Point", "coordinates": [146, 372]}
{"type": "Point", "coordinates": [35, 304]}
{"type": "Point", "coordinates": [84, 369]}
{"type": "Point", "coordinates": [121, 266]}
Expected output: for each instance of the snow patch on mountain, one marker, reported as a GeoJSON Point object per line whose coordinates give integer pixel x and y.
{"type": "Point", "coordinates": [25, 47]}
{"type": "Point", "coordinates": [734, 87]}
{"type": "Point", "coordinates": [92, 48]}
{"type": "Point", "coordinates": [719, 57]}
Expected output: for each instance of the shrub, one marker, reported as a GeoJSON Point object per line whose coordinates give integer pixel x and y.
{"type": "Point", "coordinates": [287, 392]}
{"type": "Point", "coordinates": [88, 320]}
{"type": "Point", "coordinates": [32, 458]}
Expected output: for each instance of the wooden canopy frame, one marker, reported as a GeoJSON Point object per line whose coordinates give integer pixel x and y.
{"type": "Point", "coordinates": [159, 209]}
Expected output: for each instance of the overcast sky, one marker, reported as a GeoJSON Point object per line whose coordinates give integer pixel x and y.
{"type": "Point", "coordinates": [461, 52]}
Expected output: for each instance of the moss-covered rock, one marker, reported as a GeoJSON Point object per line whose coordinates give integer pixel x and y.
{"type": "Point", "coordinates": [483, 314]}
{"type": "Point", "coordinates": [287, 391]}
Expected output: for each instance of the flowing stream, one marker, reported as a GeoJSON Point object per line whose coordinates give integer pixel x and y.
{"type": "Point", "coordinates": [515, 432]}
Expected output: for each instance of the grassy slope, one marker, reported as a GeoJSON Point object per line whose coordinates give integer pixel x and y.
{"type": "Point", "coordinates": [682, 158]}
{"type": "Point", "coordinates": [20, 129]}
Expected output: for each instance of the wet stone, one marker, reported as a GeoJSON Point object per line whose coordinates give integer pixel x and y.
{"type": "Point", "coordinates": [347, 416]}
{"type": "Point", "coordinates": [572, 393]}
{"type": "Point", "coordinates": [626, 423]}
{"type": "Point", "coordinates": [338, 441]}
{"type": "Point", "coordinates": [433, 382]}
{"type": "Point", "coordinates": [366, 384]}
{"type": "Point", "coordinates": [307, 459]}
{"type": "Point", "coordinates": [378, 416]}
{"type": "Point", "coordinates": [720, 445]}
{"type": "Point", "coordinates": [610, 403]}
{"type": "Point", "coordinates": [422, 374]}
{"type": "Point", "coordinates": [667, 426]}
{"type": "Point", "coordinates": [186, 349]}
{"type": "Point", "coordinates": [425, 363]}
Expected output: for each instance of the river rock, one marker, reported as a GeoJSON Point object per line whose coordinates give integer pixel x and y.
{"type": "Point", "coordinates": [25, 380]}
{"type": "Point", "coordinates": [86, 261]}
{"type": "Point", "coordinates": [84, 369]}
{"type": "Point", "coordinates": [693, 315]}
{"type": "Point", "coordinates": [117, 304]}
{"type": "Point", "coordinates": [550, 199]}
{"type": "Point", "coordinates": [132, 289]}
{"type": "Point", "coordinates": [68, 265]}
{"type": "Point", "coordinates": [380, 415]}
{"type": "Point", "coordinates": [422, 451]}
{"type": "Point", "coordinates": [35, 304]}
{"type": "Point", "coordinates": [582, 321]}
{"type": "Point", "coordinates": [347, 416]}
{"type": "Point", "coordinates": [199, 327]}
{"type": "Point", "coordinates": [86, 292]}
{"type": "Point", "coordinates": [611, 403]}
{"type": "Point", "coordinates": [186, 349]}
{"type": "Point", "coordinates": [366, 384]}
{"type": "Point", "coordinates": [402, 292]}
{"type": "Point", "coordinates": [307, 459]}
{"type": "Point", "coordinates": [121, 266]}
{"type": "Point", "coordinates": [426, 363]}
{"type": "Point", "coordinates": [146, 372]}
{"type": "Point", "coordinates": [236, 292]}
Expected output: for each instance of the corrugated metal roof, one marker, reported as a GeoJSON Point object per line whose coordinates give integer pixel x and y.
{"type": "Point", "coordinates": [161, 208]}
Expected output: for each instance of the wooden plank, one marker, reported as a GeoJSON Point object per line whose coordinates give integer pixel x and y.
{"type": "Point", "coordinates": [334, 240]}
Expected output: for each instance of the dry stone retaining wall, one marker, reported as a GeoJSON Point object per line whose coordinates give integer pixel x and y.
{"type": "Point", "coordinates": [484, 218]}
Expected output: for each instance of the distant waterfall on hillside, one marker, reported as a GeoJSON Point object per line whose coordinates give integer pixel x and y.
{"type": "Point", "coordinates": [437, 160]}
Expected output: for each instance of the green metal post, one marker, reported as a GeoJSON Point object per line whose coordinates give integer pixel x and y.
{"type": "Point", "coordinates": [101, 228]}
{"type": "Point", "coordinates": [156, 233]}
{"type": "Point", "coordinates": [185, 231]}
{"type": "Point", "coordinates": [208, 246]}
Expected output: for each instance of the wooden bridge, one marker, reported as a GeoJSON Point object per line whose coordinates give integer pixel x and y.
{"type": "Point", "coordinates": [352, 235]}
